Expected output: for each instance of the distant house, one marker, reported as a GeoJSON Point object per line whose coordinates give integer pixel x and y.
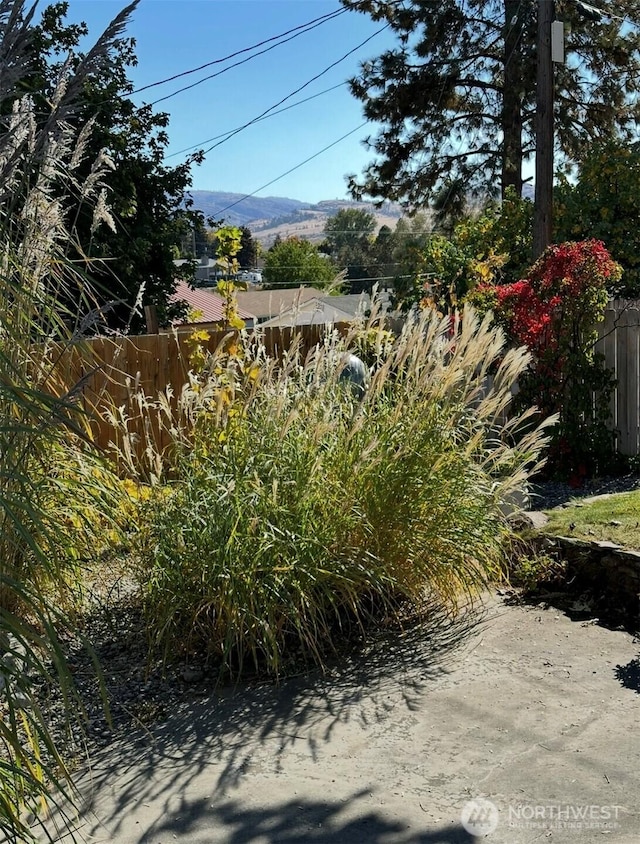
{"type": "Point", "coordinates": [209, 270]}
{"type": "Point", "coordinates": [321, 310]}
{"type": "Point", "coordinates": [268, 304]}
{"type": "Point", "coordinates": [209, 306]}
{"type": "Point", "coordinates": [206, 270]}
{"type": "Point", "coordinates": [271, 308]}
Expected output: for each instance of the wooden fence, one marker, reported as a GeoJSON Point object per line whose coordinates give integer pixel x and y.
{"type": "Point", "coordinates": [620, 344]}
{"type": "Point", "coordinates": [109, 374]}
{"type": "Point", "coordinates": [111, 371]}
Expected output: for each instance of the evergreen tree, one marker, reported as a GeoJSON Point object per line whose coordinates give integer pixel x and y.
{"type": "Point", "coordinates": [249, 249]}
{"type": "Point", "coordinates": [456, 97]}
{"type": "Point", "coordinates": [348, 241]}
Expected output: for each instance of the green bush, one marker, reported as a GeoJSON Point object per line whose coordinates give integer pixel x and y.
{"type": "Point", "coordinates": [492, 247]}
{"type": "Point", "coordinates": [298, 511]}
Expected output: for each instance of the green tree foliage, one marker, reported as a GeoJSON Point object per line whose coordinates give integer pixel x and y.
{"type": "Point", "coordinates": [504, 228]}
{"type": "Point", "coordinates": [450, 204]}
{"type": "Point", "coordinates": [348, 241]}
{"type": "Point", "coordinates": [349, 227]}
{"type": "Point", "coordinates": [130, 260]}
{"type": "Point", "coordinates": [438, 269]}
{"type": "Point", "coordinates": [604, 203]}
{"type": "Point", "coordinates": [383, 265]}
{"type": "Point", "coordinates": [410, 238]}
{"type": "Point", "coordinates": [295, 261]}
{"type": "Point", "coordinates": [249, 250]}
{"type": "Point", "coordinates": [456, 97]}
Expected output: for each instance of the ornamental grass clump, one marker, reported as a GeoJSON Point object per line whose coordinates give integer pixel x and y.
{"type": "Point", "coordinates": [57, 497]}
{"type": "Point", "coordinates": [300, 511]}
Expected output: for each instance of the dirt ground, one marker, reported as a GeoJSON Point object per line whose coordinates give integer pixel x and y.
{"type": "Point", "coordinates": [516, 705]}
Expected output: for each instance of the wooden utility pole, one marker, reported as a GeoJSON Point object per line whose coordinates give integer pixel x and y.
{"type": "Point", "coordinates": [151, 318]}
{"type": "Point", "coordinates": [542, 220]}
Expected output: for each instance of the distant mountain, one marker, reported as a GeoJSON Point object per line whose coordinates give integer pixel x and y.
{"type": "Point", "coordinates": [266, 214]}
{"type": "Point", "coordinates": [214, 203]}
{"type": "Point", "coordinates": [277, 215]}
{"type": "Point", "coordinates": [309, 223]}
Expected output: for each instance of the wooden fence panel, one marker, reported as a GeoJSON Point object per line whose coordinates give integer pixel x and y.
{"type": "Point", "coordinates": [620, 344]}
{"type": "Point", "coordinates": [111, 372]}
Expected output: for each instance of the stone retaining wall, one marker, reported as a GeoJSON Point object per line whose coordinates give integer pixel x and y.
{"type": "Point", "coordinates": [610, 573]}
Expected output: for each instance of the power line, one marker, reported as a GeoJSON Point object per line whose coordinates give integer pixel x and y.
{"type": "Point", "coordinates": [596, 13]}
{"type": "Point", "coordinates": [316, 21]}
{"type": "Point", "coordinates": [312, 283]}
{"type": "Point", "coordinates": [242, 61]}
{"type": "Point", "coordinates": [291, 169]}
{"type": "Point", "coordinates": [258, 119]}
{"type": "Point", "coordinates": [297, 91]}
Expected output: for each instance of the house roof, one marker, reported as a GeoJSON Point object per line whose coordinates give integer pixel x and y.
{"type": "Point", "coordinates": [207, 301]}
{"type": "Point", "coordinates": [352, 303]}
{"type": "Point", "coordinates": [318, 311]}
{"type": "Point", "coordinates": [265, 304]}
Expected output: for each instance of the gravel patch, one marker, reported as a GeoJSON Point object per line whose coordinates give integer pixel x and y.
{"type": "Point", "coordinates": [139, 690]}
{"type": "Point", "coordinates": [552, 494]}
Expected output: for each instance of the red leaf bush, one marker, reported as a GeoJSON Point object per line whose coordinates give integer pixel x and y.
{"type": "Point", "coordinates": [554, 312]}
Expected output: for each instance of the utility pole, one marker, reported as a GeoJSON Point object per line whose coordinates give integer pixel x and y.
{"type": "Point", "coordinates": [542, 220]}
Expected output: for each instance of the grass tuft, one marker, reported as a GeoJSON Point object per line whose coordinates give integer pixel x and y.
{"type": "Point", "coordinates": [297, 510]}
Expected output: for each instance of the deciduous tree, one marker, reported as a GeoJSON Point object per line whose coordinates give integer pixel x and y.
{"type": "Point", "coordinates": [131, 260]}
{"type": "Point", "coordinates": [348, 241]}
{"type": "Point", "coordinates": [296, 261]}
{"type": "Point", "coordinates": [603, 202]}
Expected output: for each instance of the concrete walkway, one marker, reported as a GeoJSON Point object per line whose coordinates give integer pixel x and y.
{"type": "Point", "coordinates": [522, 706]}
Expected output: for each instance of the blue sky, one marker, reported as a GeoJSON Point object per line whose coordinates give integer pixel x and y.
{"type": "Point", "coordinates": [176, 35]}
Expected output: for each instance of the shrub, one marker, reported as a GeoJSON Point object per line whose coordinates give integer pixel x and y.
{"type": "Point", "coordinates": [298, 511]}
{"type": "Point", "coordinates": [554, 312]}
{"type": "Point", "coordinates": [530, 569]}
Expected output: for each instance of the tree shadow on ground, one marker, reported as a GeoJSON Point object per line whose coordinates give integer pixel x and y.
{"type": "Point", "coordinates": [229, 733]}
{"type": "Point", "coordinates": [295, 822]}
{"type": "Point", "coordinates": [629, 675]}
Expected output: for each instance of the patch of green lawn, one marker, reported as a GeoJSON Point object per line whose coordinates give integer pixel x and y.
{"type": "Point", "coordinates": [614, 518]}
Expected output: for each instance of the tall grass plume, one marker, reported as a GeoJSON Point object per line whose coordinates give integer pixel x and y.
{"type": "Point", "coordinates": [296, 509]}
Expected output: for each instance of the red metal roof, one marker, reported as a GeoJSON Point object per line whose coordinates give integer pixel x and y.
{"type": "Point", "coordinates": [207, 301]}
